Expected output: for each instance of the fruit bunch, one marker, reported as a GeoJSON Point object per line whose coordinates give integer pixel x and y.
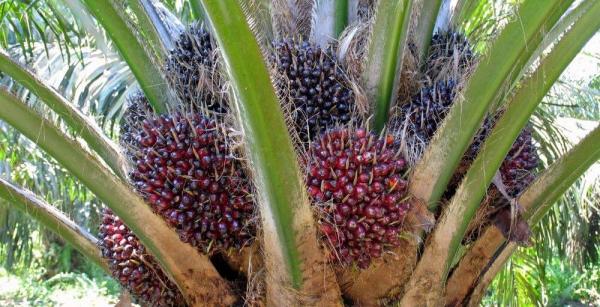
{"type": "Point", "coordinates": [136, 270]}
{"type": "Point", "coordinates": [427, 110]}
{"type": "Point", "coordinates": [423, 115]}
{"type": "Point", "coordinates": [184, 169]}
{"type": "Point", "coordinates": [518, 168]}
{"type": "Point", "coordinates": [356, 180]}
{"type": "Point", "coordinates": [315, 85]}
{"type": "Point", "coordinates": [450, 56]}
{"type": "Point", "coordinates": [183, 166]}
{"type": "Point", "coordinates": [192, 73]}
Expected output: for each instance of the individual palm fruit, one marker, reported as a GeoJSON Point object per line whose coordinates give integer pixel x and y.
{"type": "Point", "coordinates": [314, 83]}
{"type": "Point", "coordinates": [356, 181]}
{"type": "Point", "coordinates": [137, 108]}
{"type": "Point", "coordinates": [133, 267]}
{"type": "Point", "coordinates": [191, 70]}
{"type": "Point", "coordinates": [185, 170]}
{"type": "Point", "coordinates": [450, 56]}
{"type": "Point", "coordinates": [427, 110]}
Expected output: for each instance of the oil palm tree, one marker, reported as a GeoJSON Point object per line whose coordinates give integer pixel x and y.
{"type": "Point", "coordinates": [312, 152]}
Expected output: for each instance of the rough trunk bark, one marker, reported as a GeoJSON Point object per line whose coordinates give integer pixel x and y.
{"type": "Point", "coordinates": [475, 298]}
{"type": "Point", "coordinates": [466, 275]}
{"type": "Point", "coordinates": [319, 287]}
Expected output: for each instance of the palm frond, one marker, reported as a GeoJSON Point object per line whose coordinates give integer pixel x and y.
{"type": "Point", "coordinates": [54, 220]}
{"type": "Point", "coordinates": [97, 84]}
{"type": "Point", "coordinates": [25, 165]}
{"type": "Point", "coordinates": [24, 23]}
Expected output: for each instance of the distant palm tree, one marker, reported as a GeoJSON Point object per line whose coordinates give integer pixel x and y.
{"type": "Point", "coordinates": [302, 152]}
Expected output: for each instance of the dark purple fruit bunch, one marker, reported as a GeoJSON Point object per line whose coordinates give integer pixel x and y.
{"type": "Point", "coordinates": [427, 110]}
{"type": "Point", "coordinates": [191, 70]}
{"type": "Point", "coordinates": [449, 44]}
{"type": "Point", "coordinates": [425, 113]}
{"type": "Point", "coordinates": [137, 109]}
{"type": "Point", "coordinates": [136, 270]}
{"type": "Point", "coordinates": [184, 169]}
{"type": "Point", "coordinates": [450, 55]}
{"type": "Point", "coordinates": [316, 86]}
{"type": "Point", "coordinates": [356, 180]}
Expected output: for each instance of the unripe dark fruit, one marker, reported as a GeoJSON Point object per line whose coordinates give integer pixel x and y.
{"type": "Point", "coordinates": [191, 70]}
{"type": "Point", "coordinates": [186, 173]}
{"type": "Point", "coordinates": [356, 180]}
{"type": "Point", "coordinates": [450, 56]}
{"type": "Point", "coordinates": [135, 270]}
{"type": "Point", "coordinates": [427, 110]}
{"type": "Point", "coordinates": [316, 86]}
{"type": "Point", "coordinates": [137, 108]}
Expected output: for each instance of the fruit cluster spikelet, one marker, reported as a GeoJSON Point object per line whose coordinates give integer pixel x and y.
{"type": "Point", "coordinates": [136, 110]}
{"type": "Point", "coordinates": [356, 180]}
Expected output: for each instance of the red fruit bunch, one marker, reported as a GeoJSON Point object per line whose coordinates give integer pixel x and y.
{"type": "Point", "coordinates": [356, 180]}
{"type": "Point", "coordinates": [518, 168]}
{"type": "Point", "coordinates": [184, 169]}
{"type": "Point", "coordinates": [136, 270]}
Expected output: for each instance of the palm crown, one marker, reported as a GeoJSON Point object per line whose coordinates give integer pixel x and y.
{"type": "Point", "coordinates": [327, 152]}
